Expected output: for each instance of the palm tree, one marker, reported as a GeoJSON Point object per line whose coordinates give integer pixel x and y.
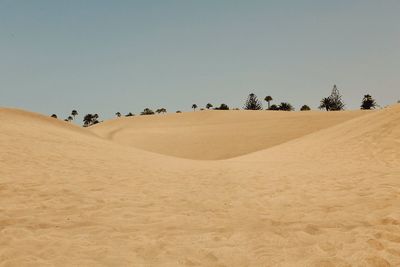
{"type": "Point", "coordinates": [74, 113]}
{"type": "Point", "coordinates": [333, 102]}
{"type": "Point", "coordinates": [368, 102]}
{"type": "Point", "coordinates": [69, 119]}
{"type": "Point", "coordinates": [194, 106]}
{"type": "Point", "coordinates": [268, 99]}
{"type": "Point", "coordinates": [252, 103]}
{"type": "Point", "coordinates": [325, 103]}
{"type": "Point", "coordinates": [209, 105]}
{"type": "Point", "coordinates": [54, 116]}
{"type": "Point", "coordinates": [286, 106]}
{"type": "Point", "coordinates": [118, 114]}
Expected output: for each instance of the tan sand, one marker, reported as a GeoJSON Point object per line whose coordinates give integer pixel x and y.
{"type": "Point", "coordinates": [216, 134]}
{"type": "Point", "coordinates": [307, 189]}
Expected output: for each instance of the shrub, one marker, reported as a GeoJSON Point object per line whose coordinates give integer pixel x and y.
{"type": "Point", "coordinates": [305, 108]}
{"type": "Point", "coordinates": [285, 106]}
{"type": "Point", "coordinates": [147, 111]}
{"type": "Point", "coordinates": [222, 107]}
{"type": "Point", "coordinates": [273, 107]}
{"type": "Point", "coordinates": [368, 102]}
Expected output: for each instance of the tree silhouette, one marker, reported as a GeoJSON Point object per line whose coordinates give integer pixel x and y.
{"type": "Point", "coordinates": [305, 108]}
{"type": "Point", "coordinates": [325, 104]}
{"type": "Point", "coordinates": [222, 107]}
{"type": "Point", "coordinates": [285, 106]}
{"type": "Point", "coordinates": [252, 103]}
{"type": "Point", "coordinates": [274, 107]}
{"type": "Point", "coordinates": [161, 110]}
{"type": "Point", "coordinates": [178, 111]}
{"type": "Point", "coordinates": [130, 114]}
{"type": "Point", "coordinates": [95, 117]}
{"type": "Point", "coordinates": [70, 118]}
{"type": "Point", "coordinates": [209, 105]}
{"type": "Point", "coordinates": [268, 99]}
{"type": "Point", "coordinates": [333, 102]}
{"type": "Point", "coordinates": [74, 113]}
{"type": "Point", "coordinates": [90, 119]}
{"type": "Point", "coordinates": [87, 120]}
{"type": "Point", "coordinates": [147, 111]}
{"type": "Point", "coordinates": [118, 114]}
{"type": "Point", "coordinates": [54, 116]}
{"type": "Point", "coordinates": [194, 106]}
{"type": "Point", "coordinates": [368, 102]}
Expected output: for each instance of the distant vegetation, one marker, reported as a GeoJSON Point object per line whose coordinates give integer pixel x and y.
{"type": "Point", "coordinates": [284, 106]}
{"type": "Point", "coordinates": [305, 108]}
{"type": "Point", "coordinates": [333, 102]}
{"type": "Point", "coordinates": [90, 119]}
{"type": "Point", "coordinates": [368, 102]}
{"type": "Point", "coordinates": [161, 110]}
{"type": "Point", "coordinates": [252, 103]}
{"type": "Point", "coordinates": [268, 99]}
{"type": "Point", "coordinates": [74, 113]}
{"type": "Point", "coordinates": [147, 111]}
{"type": "Point", "coordinates": [274, 107]}
{"type": "Point", "coordinates": [222, 107]}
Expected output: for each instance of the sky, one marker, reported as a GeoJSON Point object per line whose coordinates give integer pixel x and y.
{"type": "Point", "coordinates": [101, 56]}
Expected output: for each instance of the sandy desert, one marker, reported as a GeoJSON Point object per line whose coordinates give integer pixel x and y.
{"type": "Point", "coordinates": [209, 188]}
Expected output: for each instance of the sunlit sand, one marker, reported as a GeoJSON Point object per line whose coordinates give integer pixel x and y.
{"type": "Point", "coordinates": [206, 188]}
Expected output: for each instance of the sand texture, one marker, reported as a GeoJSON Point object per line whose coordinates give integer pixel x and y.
{"type": "Point", "coordinates": [209, 188]}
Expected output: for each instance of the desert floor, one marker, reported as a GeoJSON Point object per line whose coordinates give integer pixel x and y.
{"type": "Point", "coordinates": [209, 188]}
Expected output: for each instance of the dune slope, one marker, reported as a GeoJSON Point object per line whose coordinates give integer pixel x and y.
{"type": "Point", "coordinates": [210, 135]}
{"type": "Point", "coordinates": [329, 198]}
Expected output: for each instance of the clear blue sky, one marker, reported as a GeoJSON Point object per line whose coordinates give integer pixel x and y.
{"type": "Point", "coordinates": [105, 56]}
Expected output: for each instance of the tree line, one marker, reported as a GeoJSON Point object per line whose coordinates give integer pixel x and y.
{"type": "Point", "coordinates": [333, 102]}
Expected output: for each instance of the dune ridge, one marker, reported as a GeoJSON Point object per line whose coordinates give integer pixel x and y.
{"type": "Point", "coordinates": [325, 196]}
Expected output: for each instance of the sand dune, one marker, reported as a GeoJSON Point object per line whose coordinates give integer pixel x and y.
{"type": "Point", "coordinates": [323, 192]}
{"type": "Point", "coordinates": [217, 134]}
